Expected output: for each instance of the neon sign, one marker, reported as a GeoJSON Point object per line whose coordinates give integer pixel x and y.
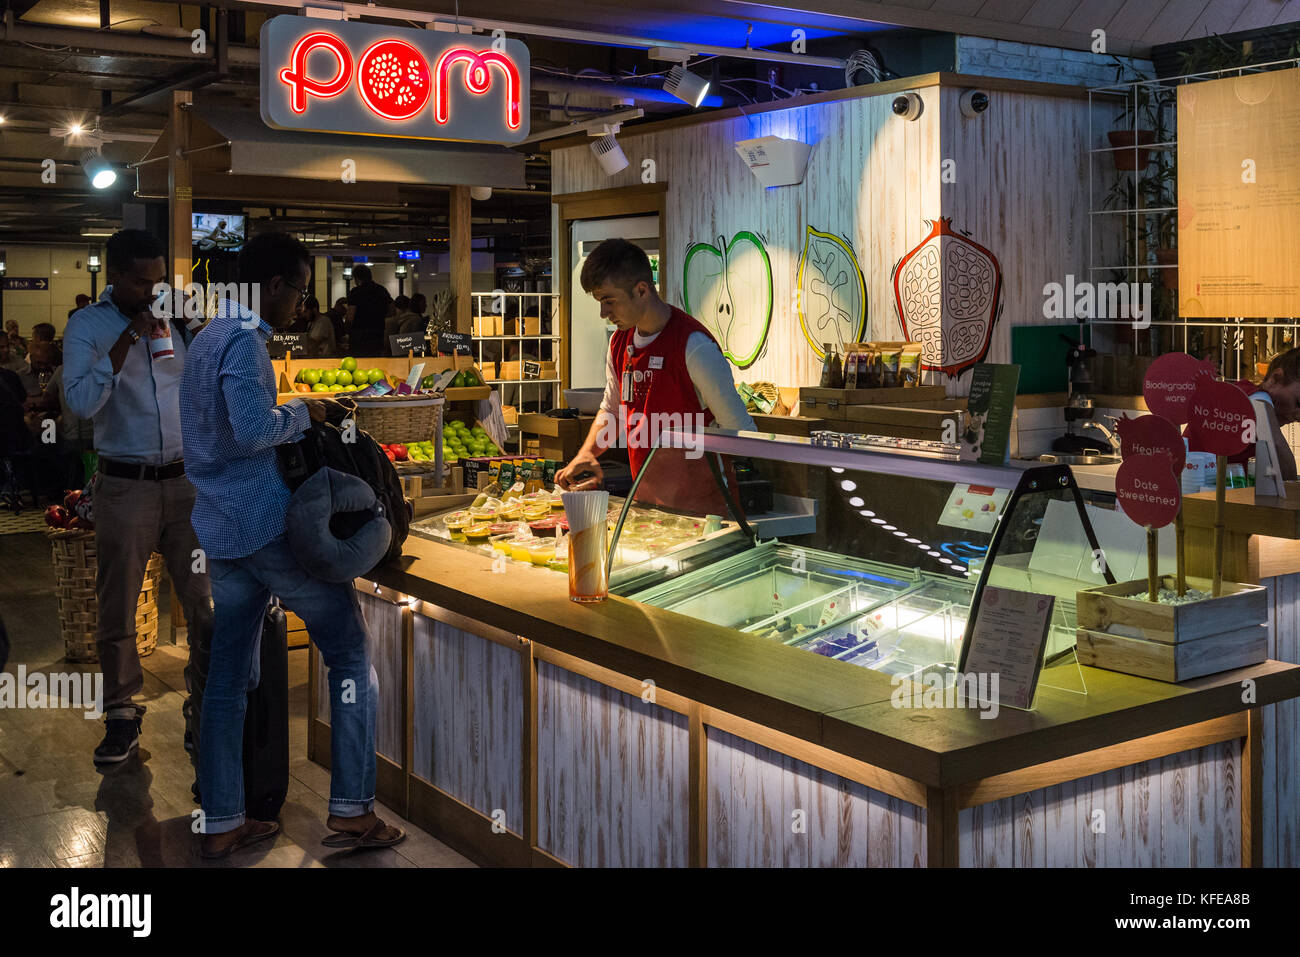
{"type": "Point", "coordinates": [374, 80]}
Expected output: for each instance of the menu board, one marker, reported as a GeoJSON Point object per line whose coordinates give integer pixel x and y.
{"type": "Point", "coordinates": [1239, 196]}
{"type": "Point", "coordinates": [1008, 639]}
{"type": "Point", "coordinates": [973, 507]}
{"type": "Point", "coordinates": [990, 405]}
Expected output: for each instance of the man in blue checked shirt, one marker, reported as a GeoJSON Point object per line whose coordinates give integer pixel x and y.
{"type": "Point", "coordinates": [231, 426]}
{"type": "Point", "coordinates": [142, 498]}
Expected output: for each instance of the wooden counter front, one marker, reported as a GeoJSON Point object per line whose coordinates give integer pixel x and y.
{"type": "Point", "coordinates": [606, 706]}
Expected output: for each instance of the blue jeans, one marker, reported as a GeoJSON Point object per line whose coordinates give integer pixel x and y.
{"type": "Point", "coordinates": [241, 589]}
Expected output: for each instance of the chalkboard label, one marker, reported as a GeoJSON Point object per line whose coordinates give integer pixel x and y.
{"type": "Point", "coordinates": [408, 342]}
{"type": "Point", "coordinates": [455, 343]}
{"type": "Point", "coordinates": [286, 343]}
{"type": "Point", "coordinates": [532, 370]}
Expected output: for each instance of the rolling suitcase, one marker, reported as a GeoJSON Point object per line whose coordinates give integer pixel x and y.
{"type": "Point", "coordinates": [266, 722]}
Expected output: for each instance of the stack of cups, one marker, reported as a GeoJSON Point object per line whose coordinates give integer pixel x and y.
{"type": "Point", "coordinates": [1198, 472]}
{"type": "Point", "coordinates": [588, 546]}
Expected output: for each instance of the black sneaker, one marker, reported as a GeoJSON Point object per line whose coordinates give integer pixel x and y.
{"type": "Point", "coordinates": [121, 738]}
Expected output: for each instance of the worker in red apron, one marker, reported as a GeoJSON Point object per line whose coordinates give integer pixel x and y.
{"type": "Point", "coordinates": [664, 369]}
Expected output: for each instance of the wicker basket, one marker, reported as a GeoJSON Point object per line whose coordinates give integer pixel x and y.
{"type": "Point", "coordinates": [74, 576]}
{"type": "Point", "coordinates": [403, 419]}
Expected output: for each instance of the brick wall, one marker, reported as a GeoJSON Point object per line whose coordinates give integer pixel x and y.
{"type": "Point", "coordinates": [1027, 61]}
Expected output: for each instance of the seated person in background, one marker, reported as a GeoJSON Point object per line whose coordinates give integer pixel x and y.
{"type": "Point", "coordinates": [19, 367]}
{"type": "Point", "coordinates": [45, 332]}
{"type": "Point", "coordinates": [76, 435]}
{"type": "Point", "coordinates": [414, 319]}
{"type": "Point", "coordinates": [1280, 388]}
{"type": "Point", "coordinates": [339, 320]}
{"type": "Point", "coordinates": [398, 310]}
{"type": "Point", "coordinates": [17, 344]}
{"type": "Point", "coordinates": [320, 331]}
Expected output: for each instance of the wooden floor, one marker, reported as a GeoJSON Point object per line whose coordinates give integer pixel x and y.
{"type": "Point", "coordinates": [58, 810]}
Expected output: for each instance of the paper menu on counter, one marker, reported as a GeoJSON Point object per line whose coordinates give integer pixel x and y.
{"type": "Point", "coordinates": [973, 507]}
{"type": "Point", "coordinates": [1007, 640]}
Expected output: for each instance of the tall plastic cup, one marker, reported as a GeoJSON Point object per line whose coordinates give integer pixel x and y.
{"type": "Point", "coordinates": [588, 545]}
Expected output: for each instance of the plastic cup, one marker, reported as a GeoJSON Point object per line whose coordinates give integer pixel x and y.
{"type": "Point", "coordinates": [588, 550]}
{"type": "Point", "coordinates": [160, 342]}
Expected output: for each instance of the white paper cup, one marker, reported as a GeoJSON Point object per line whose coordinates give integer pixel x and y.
{"type": "Point", "coordinates": [160, 342]}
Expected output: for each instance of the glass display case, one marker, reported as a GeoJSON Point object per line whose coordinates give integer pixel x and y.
{"type": "Point", "coordinates": [873, 558]}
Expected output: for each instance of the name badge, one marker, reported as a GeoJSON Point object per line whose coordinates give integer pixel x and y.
{"type": "Point", "coordinates": [656, 362]}
{"type": "Point", "coordinates": [626, 395]}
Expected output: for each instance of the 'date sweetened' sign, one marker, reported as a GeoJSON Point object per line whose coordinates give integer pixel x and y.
{"type": "Point", "coordinates": [365, 78]}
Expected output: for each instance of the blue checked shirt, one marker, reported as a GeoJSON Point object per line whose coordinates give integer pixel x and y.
{"type": "Point", "coordinates": [231, 426]}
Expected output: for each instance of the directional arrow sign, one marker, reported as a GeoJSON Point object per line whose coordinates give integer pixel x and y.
{"type": "Point", "coordinates": [24, 283]}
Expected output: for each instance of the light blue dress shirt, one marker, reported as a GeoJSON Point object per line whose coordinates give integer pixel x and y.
{"type": "Point", "coordinates": [231, 426]}
{"type": "Point", "coordinates": [136, 412]}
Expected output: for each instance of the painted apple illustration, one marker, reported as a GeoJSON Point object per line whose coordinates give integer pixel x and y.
{"type": "Point", "coordinates": [728, 287]}
{"type": "Point", "coordinates": [1170, 382]}
{"type": "Point", "coordinates": [948, 293]}
{"type": "Point", "coordinates": [394, 79]}
{"type": "Point", "coordinates": [1148, 491]}
{"type": "Point", "coordinates": [1152, 435]}
{"type": "Point", "coordinates": [831, 292]}
{"type": "Point", "coordinates": [1221, 420]}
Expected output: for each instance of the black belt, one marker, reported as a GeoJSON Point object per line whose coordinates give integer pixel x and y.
{"type": "Point", "coordinates": [151, 473]}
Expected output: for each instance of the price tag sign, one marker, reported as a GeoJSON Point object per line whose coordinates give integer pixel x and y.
{"type": "Point", "coordinates": [1152, 435]}
{"type": "Point", "coordinates": [286, 343]}
{"type": "Point", "coordinates": [1148, 490]}
{"type": "Point", "coordinates": [407, 342]}
{"type": "Point", "coordinates": [1222, 419]}
{"type": "Point", "coordinates": [455, 343]}
{"type": "Point", "coordinates": [532, 370]}
{"type": "Point", "coordinates": [1170, 382]}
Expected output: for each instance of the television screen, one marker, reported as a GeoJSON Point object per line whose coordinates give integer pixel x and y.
{"type": "Point", "coordinates": [408, 254]}
{"type": "Point", "coordinates": [217, 232]}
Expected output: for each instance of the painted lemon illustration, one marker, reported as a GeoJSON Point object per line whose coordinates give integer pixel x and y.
{"type": "Point", "coordinates": [831, 294]}
{"type": "Point", "coordinates": [728, 287]}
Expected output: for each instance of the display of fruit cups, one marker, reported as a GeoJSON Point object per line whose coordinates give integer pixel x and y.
{"type": "Point", "coordinates": [504, 528]}
{"type": "Point", "coordinates": [484, 513]}
{"type": "Point", "coordinates": [478, 533]}
{"type": "Point", "coordinates": [541, 551]}
{"type": "Point", "coordinates": [533, 513]}
{"type": "Point", "coordinates": [458, 521]}
{"type": "Point", "coordinates": [545, 527]}
{"type": "Point", "coordinates": [519, 550]}
{"type": "Point", "coordinates": [504, 543]}
{"type": "Point", "coordinates": [511, 511]}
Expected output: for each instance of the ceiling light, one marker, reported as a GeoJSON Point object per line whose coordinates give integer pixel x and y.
{"type": "Point", "coordinates": [74, 129]}
{"type": "Point", "coordinates": [848, 486]}
{"type": "Point", "coordinates": [96, 231]}
{"type": "Point", "coordinates": [480, 193]}
{"type": "Point", "coordinates": [98, 170]}
{"type": "Point", "coordinates": [686, 86]}
{"type": "Point", "coordinates": [609, 154]}
{"type": "Point", "coordinates": [2, 119]}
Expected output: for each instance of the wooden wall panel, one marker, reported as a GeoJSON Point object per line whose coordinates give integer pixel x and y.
{"type": "Point", "coordinates": [1281, 725]}
{"type": "Point", "coordinates": [754, 793]}
{"type": "Point", "coordinates": [384, 629]}
{"type": "Point", "coordinates": [1021, 190]}
{"type": "Point", "coordinates": [1175, 811]}
{"type": "Point", "coordinates": [608, 767]}
{"type": "Point", "coordinates": [424, 716]}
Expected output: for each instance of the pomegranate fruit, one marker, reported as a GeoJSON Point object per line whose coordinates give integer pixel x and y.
{"type": "Point", "coordinates": [394, 79]}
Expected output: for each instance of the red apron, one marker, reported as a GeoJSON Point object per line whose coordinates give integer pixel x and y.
{"type": "Point", "coordinates": [653, 383]}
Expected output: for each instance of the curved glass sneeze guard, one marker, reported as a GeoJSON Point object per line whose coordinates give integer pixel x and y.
{"type": "Point", "coordinates": [871, 559]}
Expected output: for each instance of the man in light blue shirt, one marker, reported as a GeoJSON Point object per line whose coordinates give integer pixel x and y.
{"type": "Point", "coordinates": [232, 425]}
{"type": "Point", "coordinates": [142, 499]}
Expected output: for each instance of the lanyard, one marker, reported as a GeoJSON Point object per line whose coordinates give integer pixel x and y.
{"type": "Point", "coordinates": [626, 386]}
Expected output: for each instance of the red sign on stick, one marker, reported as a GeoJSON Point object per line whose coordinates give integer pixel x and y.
{"type": "Point", "coordinates": [1152, 435]}
{"type": "Point", "coordinates": [1148, 491]}
{"type": "Point", "coordinates": [1170, 382]}
{"type": "Point", "coordinates": [1222, 419]}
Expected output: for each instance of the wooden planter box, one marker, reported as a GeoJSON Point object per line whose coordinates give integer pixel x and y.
{"type": "Point", "coordinates": [1120, 630]}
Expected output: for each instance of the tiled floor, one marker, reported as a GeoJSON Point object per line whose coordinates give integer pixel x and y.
{"type": "Point", "coordinates": [58, 810]}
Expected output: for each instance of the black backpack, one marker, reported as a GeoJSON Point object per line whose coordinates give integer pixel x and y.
{"type": "Point", "coordinates": [323, 445]}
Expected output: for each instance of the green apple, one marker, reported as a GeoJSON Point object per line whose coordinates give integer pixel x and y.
{"type": "Point", "coordinates": [320, 387]}
{"type": "Point", "coordinates": [348, 364]}
{"type": "Point", "coordinates": [311, 376]}
{"type": "Point", "coordinates": [375, 375]}
{"type": "Point", "coordinates": [344, 377]}
{"type": "Point", "coordinates": [360, 378]}
{"type": "Point", "coordinates": [330, 377]}
{"type": "Point", "coordinates": [336, 387]}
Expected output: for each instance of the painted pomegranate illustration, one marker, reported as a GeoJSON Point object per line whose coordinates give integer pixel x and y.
{"type": "Point", "coordinates": [948, 293]}
{"type": "Point", "coordinates": [394, 79]}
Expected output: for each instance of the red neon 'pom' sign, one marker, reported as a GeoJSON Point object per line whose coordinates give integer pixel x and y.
{"type": "Point", "coordinates": [477, 80]}
{"type": "Point", "coordinates": [393, 78]}
{"type": "Point", "coordinates": [301, 84]}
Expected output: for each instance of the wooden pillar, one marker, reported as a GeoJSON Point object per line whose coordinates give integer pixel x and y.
{"type": "Point", "coordinates": [941, 827]}
{"type": "Point", "coordinates": [459, 220]}
{"type": "Point", "coordinates": [180, 190]}
{"type": "Point", "coordinates": [1252, 790]}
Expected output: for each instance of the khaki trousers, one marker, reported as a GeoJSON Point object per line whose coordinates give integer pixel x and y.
{"type": "Point", "coordinates": [133, 519]}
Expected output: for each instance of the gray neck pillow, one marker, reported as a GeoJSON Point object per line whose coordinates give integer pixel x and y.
{"type": "Point", "coordinates": [317, 547]}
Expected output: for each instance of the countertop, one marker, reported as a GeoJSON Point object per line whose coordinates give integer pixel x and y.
{"type": "Point", "coordinates": [825, 702]}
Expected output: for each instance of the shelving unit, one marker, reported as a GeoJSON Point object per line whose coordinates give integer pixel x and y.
{"type": "Point", "coordinates": [527, 395]}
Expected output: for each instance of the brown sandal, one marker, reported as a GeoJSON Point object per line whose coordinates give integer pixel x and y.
{"type": "Point", "coordinates": [256, 831]}
{"type": "Point", "coordinates": [353, 841]}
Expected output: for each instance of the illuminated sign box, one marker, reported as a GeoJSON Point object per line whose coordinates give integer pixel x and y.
{"type": "Point", "coordinates": [368, 79]}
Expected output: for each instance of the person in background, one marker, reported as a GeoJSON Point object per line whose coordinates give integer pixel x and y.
{"type": "Point", "coordinates": [414, 320]}
{"type": "Point", "coordinates": [142, 497]}
{"type": "Point", "coordinates": [397, 314]}
{"type": "Point", "coordinates": [1280, 389]}
{"type": "Point", "coordinates": [368, 305]}
{"type": "Point", "coordinates": [17, 344]}
{"type": "Point", "coordinates": [82, 302]}
{"type": "Point", "coordinates": [320, 331]}
{"type": "Point", "coordinates": [232, 426]}
{"type": "Point", "coordinates": [45, 332]}
{"type": "Point", "coordinates": [18, 366]}
{"type": "Point", "coordinates": [76, 436]}
{"type": "Point", "coordinates": [339, 320]}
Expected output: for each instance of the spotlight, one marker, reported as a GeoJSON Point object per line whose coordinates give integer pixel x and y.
{"type": "Point", "coordinates": [609, 154]}
{"type": "Point", "coordinates": [480, 193]}
{"type": "Point", "coordinates": [100, 174]}
{"type": "Point", "coordinates": [686, 86]}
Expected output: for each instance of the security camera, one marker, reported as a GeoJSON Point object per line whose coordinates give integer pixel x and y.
{"type": "Point", "coordinates": [973, 103]}
{"type": "Point", "coordinates": [908, 106]}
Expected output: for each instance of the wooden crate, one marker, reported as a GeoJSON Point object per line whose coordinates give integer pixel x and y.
{"type": "Point", "coordinates": [558, 439]}
{"type": "Point", "coordinates": [487, 325]}
{"type": "Point", "coordinates": [1121, 631]}
{"type": "Point", "coordinates": [532, 326]}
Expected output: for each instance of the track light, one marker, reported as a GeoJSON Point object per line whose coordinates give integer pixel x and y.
{"type": "Point", "coordinates": [97, 169]}
{"type": "Point", "coordinates": [609, 154]}
{"type": "Point", "coordinates": [480, 193]}
{"type": "Point", "coordinates": [686, 86]}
